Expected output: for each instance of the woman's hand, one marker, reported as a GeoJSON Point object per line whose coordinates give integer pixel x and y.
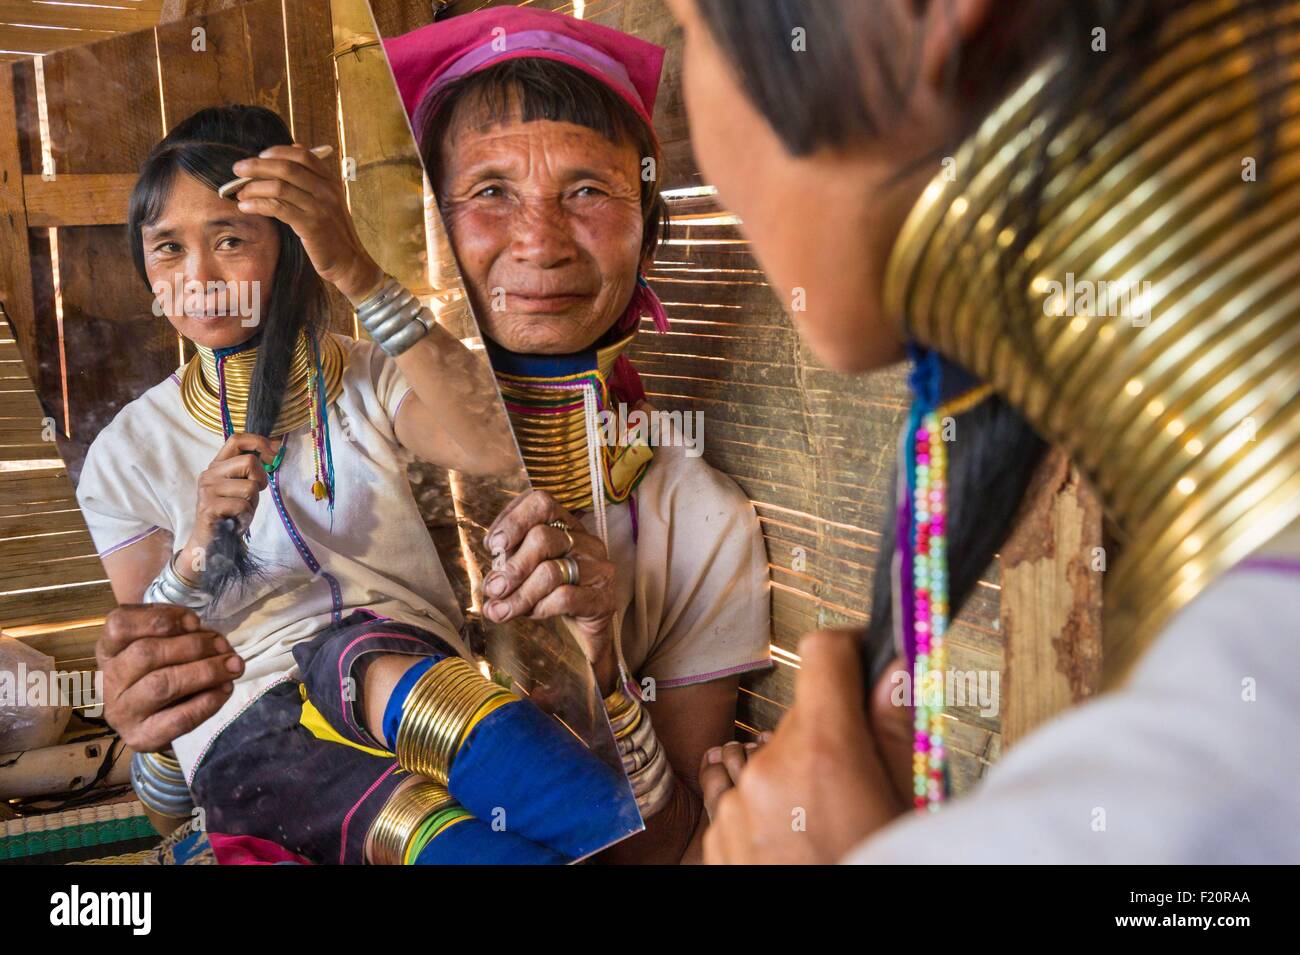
{"type": "Point", "coordinates": [820, 785]}
{"type": "Point", "coordinates": [530, 584]}
{"type": "Point", "coordinates": [228, 488]}
{"type": "Point", "coordinates": [306, 193]}
{"type": "Point", "coordinates": [163, 673]}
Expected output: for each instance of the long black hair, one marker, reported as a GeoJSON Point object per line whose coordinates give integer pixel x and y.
{"type": "Point", "coordinates": [851, 82]}
{"type": "Point", "coordinates": [206, 146]}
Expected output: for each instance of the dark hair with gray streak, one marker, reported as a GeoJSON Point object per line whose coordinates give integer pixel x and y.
{"type": "Point", "coordinates": [206, 146]}
{"type": "Point", "coordinates": [854, 82]}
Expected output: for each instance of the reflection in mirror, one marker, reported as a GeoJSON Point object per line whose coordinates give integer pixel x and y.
{"type": "Point", "coordinates": [538, 137]}
{"type": "Point", "coordinates": [316, 643]}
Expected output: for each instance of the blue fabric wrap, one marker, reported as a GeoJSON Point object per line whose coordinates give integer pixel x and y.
{"type": "Point", "coordinates": [553, 790]}
{"type": "Point", "coordinates": [473, 842]}
{"type": "Point", "coordinates": [397, 699]}
{"type": "Point", "coordinates": [549, 366]}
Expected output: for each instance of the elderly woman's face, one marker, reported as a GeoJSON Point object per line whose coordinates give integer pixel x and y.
{"type": "Point", "coordinates": [545, 219]}
{"type": "Point", "coordinates": [210, 262]}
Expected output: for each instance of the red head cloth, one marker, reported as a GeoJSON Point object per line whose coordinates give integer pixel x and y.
{"type": "Point", "coordinates": [429, 58]}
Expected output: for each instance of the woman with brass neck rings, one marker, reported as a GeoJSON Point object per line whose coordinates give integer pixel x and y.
{"type": "Point", "coordinates": [247, 508]}
{"type": "Point", "coordinates": [974, 160]}
{"type": "Point", "coordinates": [542, 155]}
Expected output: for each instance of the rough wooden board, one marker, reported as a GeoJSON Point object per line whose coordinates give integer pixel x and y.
{"type": "Point", "coordinates": [242, 60]}
{"type": "Point", "coordinates": [115, 346]}
{"type": "Point", "coordinates": [171, 10]}
{"type": "Point", "coordinates": [54, 573]}
{"type": "Point", "coordinates": [71, 649]}
{"type": "Point", "coordinates": [15, 263]}
{"type": "Point", "coordinates": [395, 18]}
{"type": "Point", "coordinates": [25, 488]}
{"type": "Point", "coordinates": [56, 605]}
{"type": "Point", "coordinates": [309, 45]}
{"type": "Point", "coordinates": [21, 405]}
{"type": "Point", "coordinates": [37, 40]}
{"type": "Point", "coordinates": [93, 199]}
{"type": "Point", "coordinates": [1052, 599]}
{"type": "Point", "coordinates": [122, 17]}
{"type": "Point", "coordinates": [36, 521]}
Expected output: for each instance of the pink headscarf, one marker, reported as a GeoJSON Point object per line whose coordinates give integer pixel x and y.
{"type": "Point", "coordinates": [427, 59]}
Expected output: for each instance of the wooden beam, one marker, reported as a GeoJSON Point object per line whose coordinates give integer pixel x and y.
{"type": "Point", "coordinates": [119, 18]}
{"type": "Point", "coordinates": [1052, 570]}
{"type": "Point", "coordinates": [72, 199]}
{"type": "Point", "coordinates": [40, 41]}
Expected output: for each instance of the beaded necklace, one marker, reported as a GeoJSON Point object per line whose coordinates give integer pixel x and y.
{"type": "Point", "coordinates": [922, 545]}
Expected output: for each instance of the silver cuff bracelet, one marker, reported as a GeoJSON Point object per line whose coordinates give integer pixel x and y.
{"type": "Point", "coordinates": [168, 588]}
{"type": "Point", "coordinates": [394, 317]}
{"type": "Point", "coordinates": [159, 783]}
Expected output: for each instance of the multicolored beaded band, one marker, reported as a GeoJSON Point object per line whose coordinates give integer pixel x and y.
{"type": "Point", "coordinates": [923, 545]}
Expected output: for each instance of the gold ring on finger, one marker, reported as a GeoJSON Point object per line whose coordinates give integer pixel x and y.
{"type": "Point", "coordinates": [568, 569]}
{"type": "Point", "coordinates": [568, 535]}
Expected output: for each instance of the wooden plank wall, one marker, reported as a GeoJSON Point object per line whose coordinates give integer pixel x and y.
{"type": "Point", "coordinates": [87, 331]}
{"type": "Point", "coordinates": [812, 449]}
{"type": "Point", "coordinates": [53, 592]}
{"type": "Point", "coordinates": [36, 27]}
{"type": "Point", "coordinates": [109, 346]}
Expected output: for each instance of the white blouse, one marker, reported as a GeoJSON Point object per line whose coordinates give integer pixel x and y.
{"type": "Point", "coordinates": [692, 590]}
{"type": "Point", "coordinates": [140, 478]}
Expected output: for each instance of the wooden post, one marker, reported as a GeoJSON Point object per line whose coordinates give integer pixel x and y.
{"type": "Point", "coordinates": [1052, 571]}
{"type": "Point", "coordinates": [15, 262]}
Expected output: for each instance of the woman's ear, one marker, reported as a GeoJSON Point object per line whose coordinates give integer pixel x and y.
{"type": "Point", "coordinates": [946, 26]}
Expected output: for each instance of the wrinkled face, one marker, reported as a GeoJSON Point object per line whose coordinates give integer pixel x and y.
{"type": "Point", "coordinates": [545, 220]}
{"type": "Point", "coordinates": [210, 265]}
{"type": "Point", "coordinates": [821, 225]}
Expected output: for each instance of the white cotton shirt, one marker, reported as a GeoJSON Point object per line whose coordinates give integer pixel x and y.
{"type": "Point", "coordinates": [693, 589]}
{"type": "Point", "coordinates": [140, 478]}
{"type": "Point", "coordinates": [1192, 761]}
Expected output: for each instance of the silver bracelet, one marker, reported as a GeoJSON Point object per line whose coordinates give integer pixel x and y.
{"type": "Point", "coordinates": [644, 759]}
{"type": "Point", "coordinates": [159, 784]}
{"type": "Point", "coordinates": [394, 317]}
{"type": "Point", "coordinates": [168, 588]}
